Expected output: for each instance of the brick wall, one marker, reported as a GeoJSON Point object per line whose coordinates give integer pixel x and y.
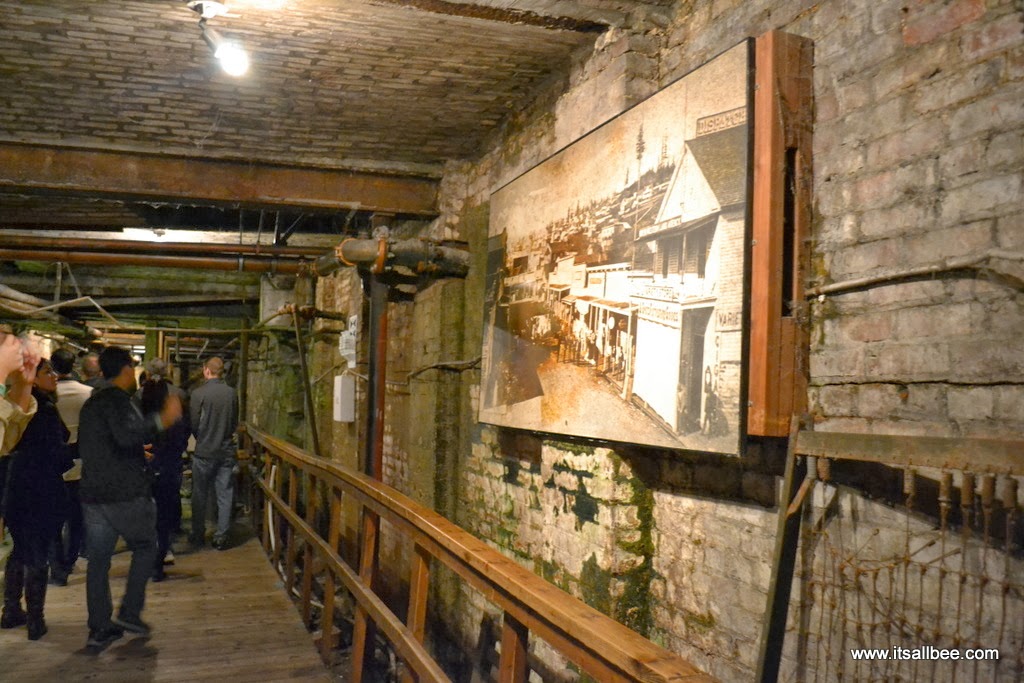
{"type": "Point", "coordinates": [919, 141]}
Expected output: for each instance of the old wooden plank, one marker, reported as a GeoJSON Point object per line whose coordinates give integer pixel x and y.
{"type": "Point", "coordinates": [219, 616]}
{"type": "Point", "coordinates": [782, 152]}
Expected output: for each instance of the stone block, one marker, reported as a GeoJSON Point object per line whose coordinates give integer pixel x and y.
{"type": "Point", "coordinates": [925, 137]}
{"type": "Point", "coordinates": [1006, 149]}
{"type": "Point", "coordinates": [1009, 402]}
{"type": "Point", "coordinates": [879, 400]}
{"type": "Point", "coordinates": [931, 21]}
{"type": "Point", "coordinates": [942, 93]}
{"type": "Point", "coordinates": [993, 37]}
{"type": "Point", "coordinates": [971, 403]}
{"type": "Point", "coordinates": [856, 261]}
{"type": "Point", "coordinates": [986, 360]}
{"type": "Point", "coordinates": [954, 320]}
{"type": "Point", "coordinates": [838, 363]}
{"type": "Point", "coordinates": [982, 199]}
{"type": "Point", "coordinates": [866, 327]}
{"type": "Point", "coordinates": [998, 111]}
{"type": "Point", "coordinates": [837, 400]}
{"type": "Point", "coordinates": [904, 218]}
{"type": "Point", "coordinates": [908, 362]}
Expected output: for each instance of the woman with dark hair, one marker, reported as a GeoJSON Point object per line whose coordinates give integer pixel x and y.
{"type": "Point", "coordinates": [165, 461]}
{"type": "Point", "coordinates": [35, 502]}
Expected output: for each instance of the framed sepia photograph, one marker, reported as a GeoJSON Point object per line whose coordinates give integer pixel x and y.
{"type": "Point", "coordinates": [616, 275]}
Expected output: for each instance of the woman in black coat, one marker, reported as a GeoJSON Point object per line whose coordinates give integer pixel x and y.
{"type": "Point", "coordinates": [35, 503]}
{"type": "Point", "coordinates": [165, 461]}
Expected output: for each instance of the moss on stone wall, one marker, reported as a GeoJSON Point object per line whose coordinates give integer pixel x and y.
{"type": "Point", "coordinates": [633, 608]}
{"type": "Point", "coordinates": [596, 585]}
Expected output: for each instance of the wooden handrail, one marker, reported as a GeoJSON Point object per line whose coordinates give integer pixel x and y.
{"type": "Point", "coordinates": [599, 645]}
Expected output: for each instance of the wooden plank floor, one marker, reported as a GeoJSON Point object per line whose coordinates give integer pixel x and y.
{"type": "Point", "coordinates": [220, 616]}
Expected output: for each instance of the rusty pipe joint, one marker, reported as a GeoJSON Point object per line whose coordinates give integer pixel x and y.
{"type": "Point", "coordinates": [421, 256]}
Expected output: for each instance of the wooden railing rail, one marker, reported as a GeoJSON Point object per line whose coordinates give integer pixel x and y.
{"type": "Point", "coordinates": [600, 646]}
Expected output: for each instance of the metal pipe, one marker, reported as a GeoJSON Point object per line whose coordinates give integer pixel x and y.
{"type": "Point", "coordinates": [137, 246]}
{"type": "Point", "coordinates": [307, 390]}
{"type": "Point", "coordinates": [243, 369]}
{"type": "Point", "coordinates": [418, 255]}
{"type": "Point", "coordinates": [229, 263]}
{"type": "Point", "coordinates": [374, 461]}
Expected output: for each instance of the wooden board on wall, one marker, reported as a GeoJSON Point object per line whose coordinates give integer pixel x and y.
{"type": "Point", "coordinates": [777, 382]}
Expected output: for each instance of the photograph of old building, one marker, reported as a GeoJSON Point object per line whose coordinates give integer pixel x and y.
{"type": "Point", "coordinates": [619, 275]}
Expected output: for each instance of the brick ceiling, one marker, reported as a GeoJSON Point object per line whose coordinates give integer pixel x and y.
{"type": "Point", "coordinates": [384, 84]}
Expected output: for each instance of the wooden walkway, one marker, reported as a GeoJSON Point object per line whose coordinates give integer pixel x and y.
{"type": "Point", "coordinates": [220, 616]}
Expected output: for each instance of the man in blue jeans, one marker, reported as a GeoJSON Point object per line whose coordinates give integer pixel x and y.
{"type": "Point", "coordinates": [214, 413]}
{"type": "Point", "coordinates": [116, 493]}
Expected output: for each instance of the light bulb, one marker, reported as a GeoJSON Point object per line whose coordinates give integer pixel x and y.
{"type": "Point", "coordinates": [233, 59]}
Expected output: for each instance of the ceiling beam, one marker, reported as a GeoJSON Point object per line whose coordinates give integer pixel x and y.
{"type": "Point", "coordinates": [121, 302]}
{"type": "Point", "coordinates": [42, 169]}
{"type": "Point", "coordinates": [506, 15]}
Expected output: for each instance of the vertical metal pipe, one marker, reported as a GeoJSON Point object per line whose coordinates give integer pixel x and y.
{"type": "Point", "coordinates": [307, 390]}
{"type": "Point", "coordinates": [243, 372]}
{"type": "Point", "coordinates": [374, 460]}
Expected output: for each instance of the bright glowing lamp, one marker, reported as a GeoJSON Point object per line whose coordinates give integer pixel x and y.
{"type": "Point", "coordinates": [232, 57]}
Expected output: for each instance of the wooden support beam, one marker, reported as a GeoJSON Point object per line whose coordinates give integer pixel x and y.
{"type": "Point", "coordinates": [515, 638]}
{"type": "Point", "coordinates": [777, 387]}
{"type": "Point", "coordinates": [416, 616]}
{"type": "Point", "coordinates": [333, 538]}
{"type": "Point", "coordinates": [787, 535]}
{"type": "Point", "coordinates": [312, 500]}
{"type": "Point", "coordinates": [34, 168]}
{"type": "Point", "coordinates": [362, 631]}
{"type": "Point", "coordinates": [973, 454]}
{"type": "Point", "coordinates": [289, 549]}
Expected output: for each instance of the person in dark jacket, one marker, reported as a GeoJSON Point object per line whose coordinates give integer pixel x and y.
{"type": "Point", "coordinates": [35, 505]}
{"type": "Point", "coordinates": [116, 492]}
{"type": "Point", "coordinates": [165, 461]}
{"type": "Point", "coordinates": [214, 411]}
{"type": "Point", "coordinates": [71, 396]}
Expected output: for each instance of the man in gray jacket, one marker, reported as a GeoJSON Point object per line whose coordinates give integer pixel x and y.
{"type": "Point", "coordinates": [214, 413]}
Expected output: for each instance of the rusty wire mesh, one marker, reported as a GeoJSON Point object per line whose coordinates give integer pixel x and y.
{"type": "Point", "coordinates": [935, 565]}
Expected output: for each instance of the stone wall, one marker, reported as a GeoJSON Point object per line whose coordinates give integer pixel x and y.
{"type": "Point", "coordinates": [917, 153]}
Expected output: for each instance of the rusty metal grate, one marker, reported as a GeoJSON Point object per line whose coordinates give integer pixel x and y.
{"type": "Point", "coordinates": [910, 561]}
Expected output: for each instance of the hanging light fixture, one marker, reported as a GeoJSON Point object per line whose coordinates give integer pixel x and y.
{"type": "Point", "coordinates": [232, 56]}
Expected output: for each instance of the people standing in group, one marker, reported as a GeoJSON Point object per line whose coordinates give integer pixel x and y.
{"type": "Point", "coordinates": [91, 374]}
{"type": "Point", "coordinates": [165, 460]}
{"type": "Point", "coordinates": [35, 505]}
{"type": "Point", "coordinates": [71, 396]}
{"type": "Point", "coordinates": [18, 362]}
{"type": "Point", "coordinates": [116, 493]}
{"type": "Point", "coordinates": [214, 413]}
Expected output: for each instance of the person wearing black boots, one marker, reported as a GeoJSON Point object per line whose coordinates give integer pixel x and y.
{"type": "Point", "coordinates": [35, 500]}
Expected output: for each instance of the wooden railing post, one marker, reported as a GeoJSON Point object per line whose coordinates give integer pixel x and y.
{"type": "Point", "coordinates": [515, 638]}
{"type": "Point", "coordinates": [289, 548]}
{"type": "Point", "coordinates": [362, 633]}
{"type": "Point", "coordinates": [333, 536]}
{"type": "Point", "coordinates": [267, 508]}
{"type": "Point", "coordinates": [419, 584]}
{"type": "Point", "coordinates": [312, 502]}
